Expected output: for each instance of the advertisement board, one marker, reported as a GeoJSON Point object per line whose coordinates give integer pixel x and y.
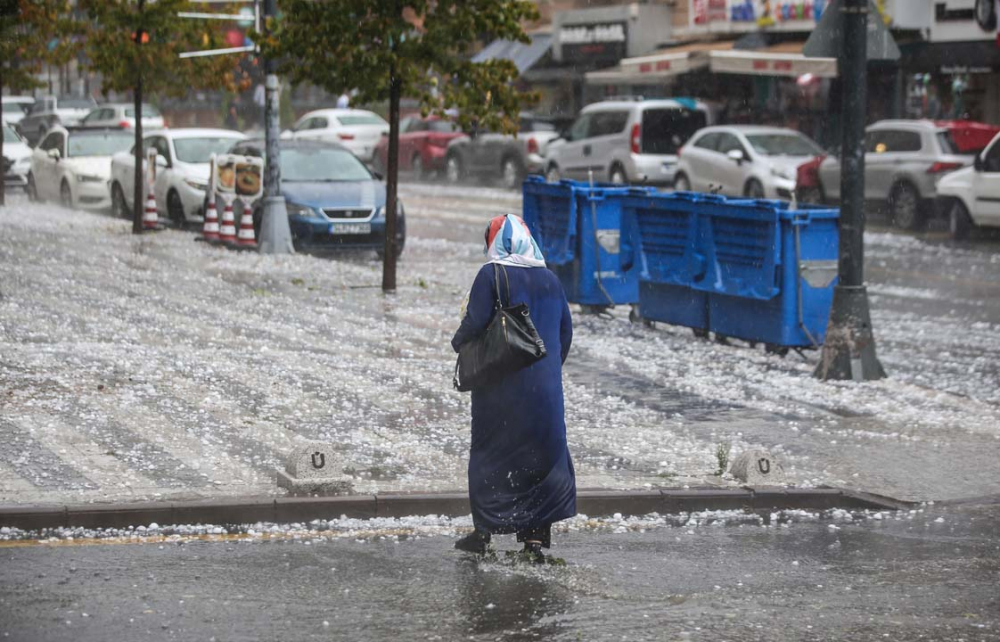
{"type": "Point", "coordinates": [605, 41]}
{"type": "Point", "coordinates": [238, 177]}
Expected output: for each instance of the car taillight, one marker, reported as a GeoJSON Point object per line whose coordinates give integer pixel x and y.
{"type": "Point", "coordinates": [343, 136]}
{"type": "Point", "coordinates": [940, 168]}
{"type": "Point", "coordinates": [636, 138]}
{"type": "Point", "coordinates": [532, 146]}
{"type": "Point", "coordinates": [124, 124]}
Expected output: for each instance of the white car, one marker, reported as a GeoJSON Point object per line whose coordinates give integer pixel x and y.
{"type": "Point", "coordinates": [17, 152]}
{"type": "Point", "coordinates": [181, 174]}
{"type": "Point", "coordinates": [356, 129]}
{"type": "Point", "coordinates": [122, 115]}
{"type": "Point", "coordinates": [971, 196]}
{"type": "Point", "coordinates": [744, 160]}
{"type": "Point", "coordinates": [50, 111]}
{"type": "Point", "coordinates": [73, 166]}
{"type": "Point", "coordinates": [15, 107]}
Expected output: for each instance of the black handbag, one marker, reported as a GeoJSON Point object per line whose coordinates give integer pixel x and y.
{"type": "Point", "coordinates": [509, 343]}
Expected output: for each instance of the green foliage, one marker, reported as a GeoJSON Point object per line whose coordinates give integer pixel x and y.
{"type": "Point", "coordinates": [113, 52]}
{"type": "Point", "coordinates": [354, 44]}
{"type": "Point", "coordinates": [722, 458]}
{"type": "Point", "coordinates": [26, 29]}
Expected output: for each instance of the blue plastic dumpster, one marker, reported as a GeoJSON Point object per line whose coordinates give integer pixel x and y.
{"type": "Point", "coordinates": [578, 227]}
{"type": "Point", "coordinates": [661, 237]}
{"type": "Point", "coordinates": [770, 270]}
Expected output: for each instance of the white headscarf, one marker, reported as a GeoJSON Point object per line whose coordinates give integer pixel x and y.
{"type": "Point", "coordinates": [509, 242]}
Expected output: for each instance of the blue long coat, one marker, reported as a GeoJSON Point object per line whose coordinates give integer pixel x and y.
{"type": "Point", "coordinates": [520, 472]}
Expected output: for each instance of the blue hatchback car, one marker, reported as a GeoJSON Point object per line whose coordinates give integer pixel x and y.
{"type": "Point", "coordinates": [333, 200]}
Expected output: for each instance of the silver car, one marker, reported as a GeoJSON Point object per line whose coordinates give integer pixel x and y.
{"type": "Point", "coordinates": [489, 155]}
{"type": "Point", "coordinates": [625, 141]}
{"type": "Point", "coordinates": [904, 160]}
{"type": "Point", "coordinates": [744, 160]}
{"type": "Point", "coordinates": [49, 111]}
{"type": "Point", "coordinates": [122, 116]}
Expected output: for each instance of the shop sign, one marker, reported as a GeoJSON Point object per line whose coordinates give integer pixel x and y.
{"type": "Point", "coordinates": [956, 70]}
{"type": "Point", "coordinates": [963, 20]}
{"type": "Point", "coordinates": [762, 13]}
{"type": "Point", "coordinates": [592, 41]}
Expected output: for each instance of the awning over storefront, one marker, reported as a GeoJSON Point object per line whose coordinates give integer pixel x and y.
{"type": "Point", "coordinates": [644, 70]}
{"type": "Point", "coordinates": [784, 59]}
{"type": "Point", "coordinates": [524, 55]}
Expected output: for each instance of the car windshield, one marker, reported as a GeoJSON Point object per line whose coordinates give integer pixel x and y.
{"type": "Point", "coordinates": [321, 164]}
{"type": "Point", "coordinates": [783, 145]}
{"type": "Point", "coordinates": [148, 111]}
{"type": "Point", "coordinates": [9, 135]}
{"type": "Point", "coordinates": [15, 108]}
{"type": "Point", "coordinates": [199, 150]}
{"type": "Point", "coordinates": [441, 126]}
{"type": "Point", "coordinates": [75, 103]}
{"type": "Point", "coordinates": [361, 119]}
{"type": "Point", "coordinates": [103, 144]}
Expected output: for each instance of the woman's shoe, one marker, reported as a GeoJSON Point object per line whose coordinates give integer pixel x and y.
{"type": "Point", "coordinates": [475, 543]}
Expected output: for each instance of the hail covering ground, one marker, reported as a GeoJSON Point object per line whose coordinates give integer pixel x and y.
{"type": "Point", "coordinates": [156, 367]}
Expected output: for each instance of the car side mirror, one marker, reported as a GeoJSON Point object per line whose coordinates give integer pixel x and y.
{"type": "Point", "coordinates": [736, 155]}
{"type": "Point", "coordinates": [378, 176]}
{"type": "Point", "coordinates": [161, 161]}
{"type": "Point", "coordinates": [54, 154]}
{"type": "Point", "coordinates": [978, 164]}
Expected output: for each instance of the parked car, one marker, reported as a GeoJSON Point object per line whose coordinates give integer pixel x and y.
{"type": "Point", "coordinates": [904, 160]}
{"type": "Point", "coordinates": [17, 154]}
{"type": "Point", "coordinates": [625, 141]}
{"type": "Point", "coordinates": [182, 171]}
{"type": "Point", "coordinates": [423, 145]}
{"type": "Point", "coordinates": [49, 111]}
{"type": "Point", "coordinates": [73, 166]}
{"type": "Point", "coordinates": [491, 155]}
{"type": "Point", "coordinates": [333, 200]}
{"type": "Point", "coordinates": [356, 129]}
{"type": "Point", "coordinates": [971, 196]}
{"type": "Point", "coordinates": [15, 107]}
{"type": "Point", "coordinates": [744, 160]}
{"type": "Point", "coordinates": [122, 115]}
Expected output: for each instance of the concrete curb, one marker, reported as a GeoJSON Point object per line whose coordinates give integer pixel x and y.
{"type": "Point", "coordinates": [285, 510]}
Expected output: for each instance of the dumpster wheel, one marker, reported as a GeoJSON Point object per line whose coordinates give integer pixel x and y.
{"type": "Point", "coordinates": [634, 316]}
{"type": "Point", "coordinates": [773, 348]}
{"type": "Point", "coordinates": [701, 333]}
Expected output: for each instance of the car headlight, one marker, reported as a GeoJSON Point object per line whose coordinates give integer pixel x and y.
{"type": "Point", "coordinates": [198, 185]}
{"type": "Point", "coordinates": [88, 178]}
{"type": "Point", "coordinates": [23, 163]}
{"type": "Point", "coordinates": [783, 172]}
{"type": "Point", "coordinates": [294, 209]}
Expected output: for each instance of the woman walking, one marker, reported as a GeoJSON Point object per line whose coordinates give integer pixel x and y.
{"type": "Point", "coordinates": [521, 477]}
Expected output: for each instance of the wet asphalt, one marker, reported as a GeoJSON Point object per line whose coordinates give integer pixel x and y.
{"type": "Point", "coordinates": [929, 575]}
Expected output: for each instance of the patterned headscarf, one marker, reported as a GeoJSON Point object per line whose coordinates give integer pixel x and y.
{"type": "Point", "coordinates": [508, 242]}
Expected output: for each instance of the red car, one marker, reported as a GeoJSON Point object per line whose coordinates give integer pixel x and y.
{"type": "Point", "coordinates": [423, 143]}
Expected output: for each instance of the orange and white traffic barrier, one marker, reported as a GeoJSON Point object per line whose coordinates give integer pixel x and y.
{"type": "Point", "coordinates": [150, 220]}
{"type": "Point", "coordinates": [210, 230]}
{"type": "Point", "coordinates": [245, 237]}
{"type": "Point", "coordinates": [227, 232]}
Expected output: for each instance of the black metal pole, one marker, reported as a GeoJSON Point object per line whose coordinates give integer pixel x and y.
{"type": "Point", "coordinates": [3, 161]}
{"type": "Point", "coordinates": [392, 181]}
{"type": "Point", "coordinates": [137, 204]}
{"type": "Point", "coordinates": [849, 348]}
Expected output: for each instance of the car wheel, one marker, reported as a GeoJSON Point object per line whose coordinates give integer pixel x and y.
{"type": "Point", "coordinates": [453, 169]}
{"type": "Point", "coordinates": [753, 189]}
{"type": "Point", "coordinates": [65, 195]}
{"type": "Point", "coordinates": [33, 189]}
{"type": "Point", "coordinates": [552, 174]}
{"type": "Point", "coordinates": [904, 207]}
{"type": "Point", "coordinates": [118, 205]}
{"type": "Point", "coordinates": [417, 164]}
{"type": "Point", "coordinates": [617, 176]}
{"type": "Point", "coordinates": [681, 183]}
{"type": "Point", "coordinates": [175, 210]}
{"type": "Point", "coordinates": [510, 169]}
{"type": "Point", "coordinates": [959, 222]}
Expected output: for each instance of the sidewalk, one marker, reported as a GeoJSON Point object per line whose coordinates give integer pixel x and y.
{"type": "Point", "coordinates": [156, 368]}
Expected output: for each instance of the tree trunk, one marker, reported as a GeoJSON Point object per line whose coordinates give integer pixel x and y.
{"type": "Point", "coordinates": [137, 204]}
{"type": "Point", "coordinates": [3, 164]}
{"type": "Point", "coordinates": [392, 183]}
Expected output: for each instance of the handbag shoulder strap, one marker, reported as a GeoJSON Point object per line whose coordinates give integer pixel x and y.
{"type": "Point", "coordinates": [507, 279]}
{"type": "Point", "coordinates": [496, 280]}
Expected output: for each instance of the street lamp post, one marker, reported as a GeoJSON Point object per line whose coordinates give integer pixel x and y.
{"type": "Point", "coordinates": [275, 234]}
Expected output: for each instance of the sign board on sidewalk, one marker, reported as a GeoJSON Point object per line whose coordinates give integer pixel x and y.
{"type": "Point", "coordinates": [827, 40]}
{"type": "Point", "coordinates": [238, 177]}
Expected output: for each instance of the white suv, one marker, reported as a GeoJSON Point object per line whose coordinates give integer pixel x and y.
{"type": "Point", "coordinates": [971, 196]}
{"type": "Point", "coordinates": [625, 141]}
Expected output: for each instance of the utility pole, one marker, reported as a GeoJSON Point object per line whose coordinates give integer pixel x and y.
{"type": "Point", "coordinates": [849, 348]}
{"type": "Point", "coordinates": [138, 178]}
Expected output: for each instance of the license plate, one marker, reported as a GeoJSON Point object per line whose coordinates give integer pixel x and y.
{"type": "Point", "coordinates": [350, 228]}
